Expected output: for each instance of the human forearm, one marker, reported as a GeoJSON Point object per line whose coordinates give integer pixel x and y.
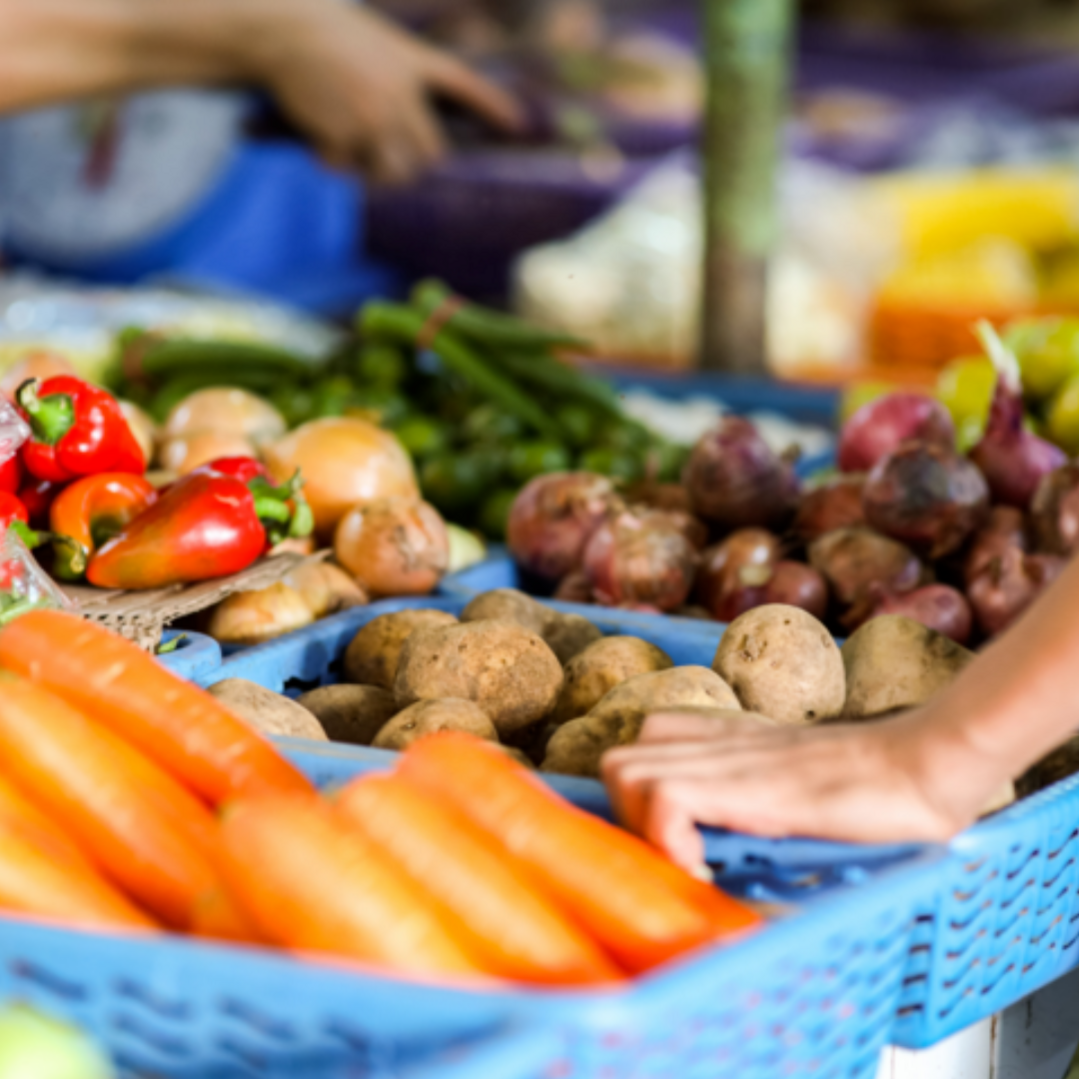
{"type": "Point", "coordinates": [53, 50]}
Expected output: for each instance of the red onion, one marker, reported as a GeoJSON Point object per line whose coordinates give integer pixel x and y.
{"type": "Point", "coordinates": [884, 424]}
{"type": "Point", "coordinates": [1004, 590]}
{"type": "Point", "coordinates": [835, 504]}
{"type": "Point", "coordinates": [694, 529]}
{"type": "Point", "coordinates": [574, 588]}
{"type": "Point", "coordinates": [1054, 511]}
{"type": "Point", "coordinates": [1012, 458]}
{"type": "Point", "coordinates": [552, 519]}
{"type": "Point", "coordinates": [1006, 527]}
{"type": "Point", "coordinates": [798, 585]}
{"type": "Point", "coordinates": [733, 575]}
{"type": "Point", "coordinates": [629, 561]}
{"type": "Point", "coordinates": [927, 496]}
{"type": "Point", "coordinates": [937, 606]}
{"type": "Point", "coordinates": [736, 481]}
{"type": "Point", "coordinates": [861, 565]}
{"type": "Point", "coordinates": [660, 496]}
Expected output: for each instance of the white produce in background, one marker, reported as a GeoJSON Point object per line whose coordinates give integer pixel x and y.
{"type": "Point", "coordinates": [630, 280]}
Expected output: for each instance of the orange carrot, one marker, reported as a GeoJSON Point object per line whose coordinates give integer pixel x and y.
{"type": "Point", "coordinates": [642, 908]}
{"type": "Point", "coordinates": [18, 811]}
{"type": "Point", "coordinates": [312, 882]}
{"type": "Point", "coordinates": [520, 932]}
{"type": "Point", "coordinates": [179, 726]}
{"type": "Point", "coordinates": [142, 829]}
{"type": "Point", "coordinates": [34, 881]}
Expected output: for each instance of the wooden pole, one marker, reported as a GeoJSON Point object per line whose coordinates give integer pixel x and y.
{"type": "Point", "coordinates": [747, 48]}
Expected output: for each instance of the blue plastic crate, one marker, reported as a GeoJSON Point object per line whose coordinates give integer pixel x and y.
{"type": "Point", "coordinates": [812, 995]}
{"type": "Point", "coordinates": [1007, 918]}
{"type": "Point", "coordinates": [195, 658]}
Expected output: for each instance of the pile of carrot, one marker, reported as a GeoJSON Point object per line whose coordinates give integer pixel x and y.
{"type": "Point", "coordinates": [132, 800]}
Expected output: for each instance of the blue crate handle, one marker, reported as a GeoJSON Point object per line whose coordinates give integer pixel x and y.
{"type": "Point", "coordinates": [195, 658]}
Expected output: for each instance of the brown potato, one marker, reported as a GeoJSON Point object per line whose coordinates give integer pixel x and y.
{"type": "Point", "coordinates": [267, 712]}
{"type": "Point", "coordinates": [372, 657]}
{"type": "Point", "coordinates": [352, 714]}
{"type": "Point", "coordinates": [783, 663]}
{"type": "Point", "coordinates": [249, 618]}
{"type": "Point", "coordinates": [428, 717]}
{"type": "Point", "coordinates": [501, 666]}
{"type": "Point", "coordinates": [603, 665]}
{"type": "Point", "coordinates": [893, 662]}
{"type": "Point", "coordinates": [577, 746]}
{"type": "Point", "coordinates": [1056, 765]}
{"type": "Point", "coordinates": [508, 605]}
{"type": "Point", "coordinates": [568, 635]}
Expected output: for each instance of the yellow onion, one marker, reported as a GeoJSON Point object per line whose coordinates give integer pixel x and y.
{"type": "Point", "coordinates": [142, 427]}
{"type": "Point", "coordinates": [325, 588]}
{"type": "Point", "coordinates": [394, 546]}
{"type": "Point", "coordinates": [254, 617]}
{"type": "Point", "coordinates": [345, 462]}
{"type": "Point", "coordinates": [183, 455]}
{"type": "Point", "coordinates": [227, 411]}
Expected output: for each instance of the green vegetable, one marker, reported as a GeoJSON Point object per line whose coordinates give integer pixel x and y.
{"type": "Point", "coordinates": [332, 397]}
{"type": "Point", "coordinates": [387, 406]}
{"type": "Point", "coordinates": [558, 378]}
{"type": "Point", "coordinates": [381, 365]}
{"type": "Point", "coordinates": [223, 360]}
{"type": "Point", "coordinates": [486, 327]}
{"type": "Point", "coordinates": [457, 482]}
{"type": "Point", "coordinates": [495, 512]}
{"type": "Point", "coordinates": [530, 459]}
{"type": "Point", "coordinates": [579, 423]}
{"type": "Point", "coordinates": [422, 436]}
{"type": "Point", "coordinates": [171, 646]}
{"type": "Point", "coordinates": [617, 464]}
{"type": "Point", "coordinates": [386, 321]}
{"type": "Point", "coordinates": [488, 424]}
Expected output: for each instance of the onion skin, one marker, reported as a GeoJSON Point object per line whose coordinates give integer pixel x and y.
{"type": "Point", "coordinates": [629, 561]}
{"type": "Point", "coordinates": [835, 504]}
{"type": "Point", "coordinates": [394, 547]}
{"type": "Point", "coordinates": [227, 411]}
{"type": "Point", "coordinates": [938, 606]}
{"type": "Point", "coordinates": [553, 518]}
{"type": "Point", "coordinates": [1054, 511]}
{"type": "Point", "coordinates": [797, 585]}
{"type": "Point", "coordinates": [694, 529]}
{"type": "Point", "coordinates": [40, 364]}
{"type": "Point", "coordinates": [1006, 527]}
{"type": "Point", "coordinates": [736, 481]}
{"type": "Point", "coordinates": [734, 573]}
{"type": "Point", "coordinates": [928, 497]}
{"type": "Point", "coordinates": [1008, 586]}
{"type": "Point", "coordinates": [860, 565]}
{"type": "Point", "coordinates": [574, 588]}
{"type": "Point", "coordinates": [345, 462]}
{"type": "Point", "coordinates": [660, 496]}
{"type": "Point", "coordinates": [183, 455]}
{"type": "Point", "coordinates": [883, 425]}
{"type": "Point", "coordinates": [1012, 459]}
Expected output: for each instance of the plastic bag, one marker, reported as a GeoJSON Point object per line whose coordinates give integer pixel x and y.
{"type": "Point", "coordinates": [24, 585]}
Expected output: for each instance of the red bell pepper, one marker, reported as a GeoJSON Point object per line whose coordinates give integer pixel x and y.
{"type": "Point", "coordinates": [90, 511]}
{"type": "Point", "coordinates": [241, 468]}
{"type": "Point", "coordinates": [77, 430]}
{"type": "Point", "coordinates": [37, 496]}
{"type": "Point", "coordinates": [205, 525]}
{"type": "Point", "coordinates": [11, 475]}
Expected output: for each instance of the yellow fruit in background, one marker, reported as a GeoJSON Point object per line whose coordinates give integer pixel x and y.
{"type": "Point", "coordinates": [1062, 421]}
{"type": "Point", "coordinates": [965, 388]}
{"type": "Point", "coordinates": [1048, 353]}
{"type": "Point", "coordinates": [861, 393]}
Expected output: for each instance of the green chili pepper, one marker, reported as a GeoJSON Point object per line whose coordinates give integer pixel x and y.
{"type": "Point", "coordinates": [384, 320]}
{"type": "Point", "coordinates": [223, 360]}
{"type": "Point", "coordinates": [484, 326]}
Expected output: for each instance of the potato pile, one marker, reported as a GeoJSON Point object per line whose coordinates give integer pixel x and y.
{"type": "Point", "coordinates": [557, 694]}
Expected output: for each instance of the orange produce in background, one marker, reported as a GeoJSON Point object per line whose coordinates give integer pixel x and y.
{"type": "Point", "coordinates": [345, 462]}
{"type": "Point", "coordinates": [173, 722]}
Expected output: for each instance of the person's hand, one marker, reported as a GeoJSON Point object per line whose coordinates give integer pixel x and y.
{"type": "Point", "coordinates": [361, 89]}
{"type": "Point", "coordinates": [893, 780]}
